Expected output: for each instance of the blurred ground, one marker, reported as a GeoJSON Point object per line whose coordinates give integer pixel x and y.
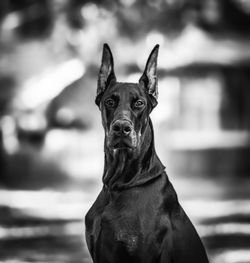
{"type": "Point", "coordinates": [46, 225]}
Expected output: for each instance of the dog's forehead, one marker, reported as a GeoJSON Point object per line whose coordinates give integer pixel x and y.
{"type": "Point", "coordinates": [131, 89]}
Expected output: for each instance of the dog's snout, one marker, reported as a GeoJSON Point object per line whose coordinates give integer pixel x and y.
{"type": "Point", "coordinates": [122, 127]}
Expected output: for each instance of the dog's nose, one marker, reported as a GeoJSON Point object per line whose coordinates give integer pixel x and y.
{"type": "Point", "coordinates": [122, 127]}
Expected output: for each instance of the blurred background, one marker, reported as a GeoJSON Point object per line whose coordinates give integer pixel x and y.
{"type": "Point", "coordinates": [51, 138]}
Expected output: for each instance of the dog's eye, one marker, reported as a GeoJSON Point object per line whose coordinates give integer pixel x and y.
{"type": "Point", "coordinates": [139, 103]}
{"type": "Point", "coordinates": [110, 103]}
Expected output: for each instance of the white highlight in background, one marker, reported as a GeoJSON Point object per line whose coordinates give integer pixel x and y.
{"type": "Point", "coordinates": [42, 88]}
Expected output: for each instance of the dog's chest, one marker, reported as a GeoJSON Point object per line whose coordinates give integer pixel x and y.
{"type": "Point", "coordinates": [123, 222]}
{"type": "Point", "coordinates": [127, 239]}
{"type": "Point", "coordinates": [116, 234]}
{"type": "Point", "coordinates": [121, 229]}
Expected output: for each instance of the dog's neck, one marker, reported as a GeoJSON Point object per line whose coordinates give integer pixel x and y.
{"type": "Point", "coordinates": [125, 169]}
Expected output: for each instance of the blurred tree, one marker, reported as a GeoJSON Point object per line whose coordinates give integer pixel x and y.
{"type": "Point", "coordinates": [137, 17]}
{"type": "Point", "coordinates": [31, 18]}
{"type": "Point", "coordinates": [224, 16]}
{"type": "Point", "coordinates": [134, 17]}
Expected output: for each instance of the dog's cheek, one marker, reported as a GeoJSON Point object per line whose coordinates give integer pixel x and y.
{"type": "Point", "coordinates": [143, 121]}
{"type": "Point", "coordinates": [106, 120]}
{"type": "Point", "coordinates": [138, 140]}
{"type": "Point", "coordinates": [137, 120]}
{"type": "Point", "coordinates": [135, 139]}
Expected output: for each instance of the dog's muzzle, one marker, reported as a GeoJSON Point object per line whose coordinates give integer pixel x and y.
{"type": "Point", "coordinates": [122, 134]}
{"type": "Point", "coordinates": [121, 128]}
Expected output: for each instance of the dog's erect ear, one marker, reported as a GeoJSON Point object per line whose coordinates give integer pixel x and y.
{"type": "Point", "coordinates": [106, 73]}
{"type": "Point", "coordinates": [149, 76]}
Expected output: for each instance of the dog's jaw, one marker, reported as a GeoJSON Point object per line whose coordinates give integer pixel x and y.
{"type": "Point", "coordinates": [129, 143]}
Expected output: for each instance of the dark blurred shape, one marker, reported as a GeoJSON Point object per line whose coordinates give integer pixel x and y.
{"type": "Point", "coordinates": [31, 128]}
{"type": "Point", "coordinates": [7, 89]}
{"type": "Point", "coordinates": [236, 107]}
{"type": "Point", "coordinates": [38, 20]}
{"type": "Point", "coordinates": [225, 15]}
{"type": "Point", "coordinates": [30, 172]}
{"type": "Point", "coordinates": [30, 18]}
{"type": "Point", "coordinates": [74, 13]}
{"type": "Point", "coordinates": [150, 15]}
{"type": "Point", "coordinates": [2, 157]}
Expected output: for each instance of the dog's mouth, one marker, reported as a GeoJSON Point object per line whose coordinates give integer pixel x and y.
{"type": "Point", "coordinates": [120, 143]}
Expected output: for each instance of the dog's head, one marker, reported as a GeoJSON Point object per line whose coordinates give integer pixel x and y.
{"type": "Point", "coordinates": [125, 107]}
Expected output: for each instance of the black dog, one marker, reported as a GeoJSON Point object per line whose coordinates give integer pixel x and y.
{"type": "Point", "coordinates": [137, 216]}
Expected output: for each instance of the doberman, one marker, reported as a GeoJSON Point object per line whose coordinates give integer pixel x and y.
{"type": "Point", "coordinates": [137, 216]}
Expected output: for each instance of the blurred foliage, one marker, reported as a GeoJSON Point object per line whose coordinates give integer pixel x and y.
{"type": "Point", "coordinates": [134, 18]}
{"type": "Point", "coordinates": [171, 16]}
{"type": "Point", "coordinates": [35, 16]}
